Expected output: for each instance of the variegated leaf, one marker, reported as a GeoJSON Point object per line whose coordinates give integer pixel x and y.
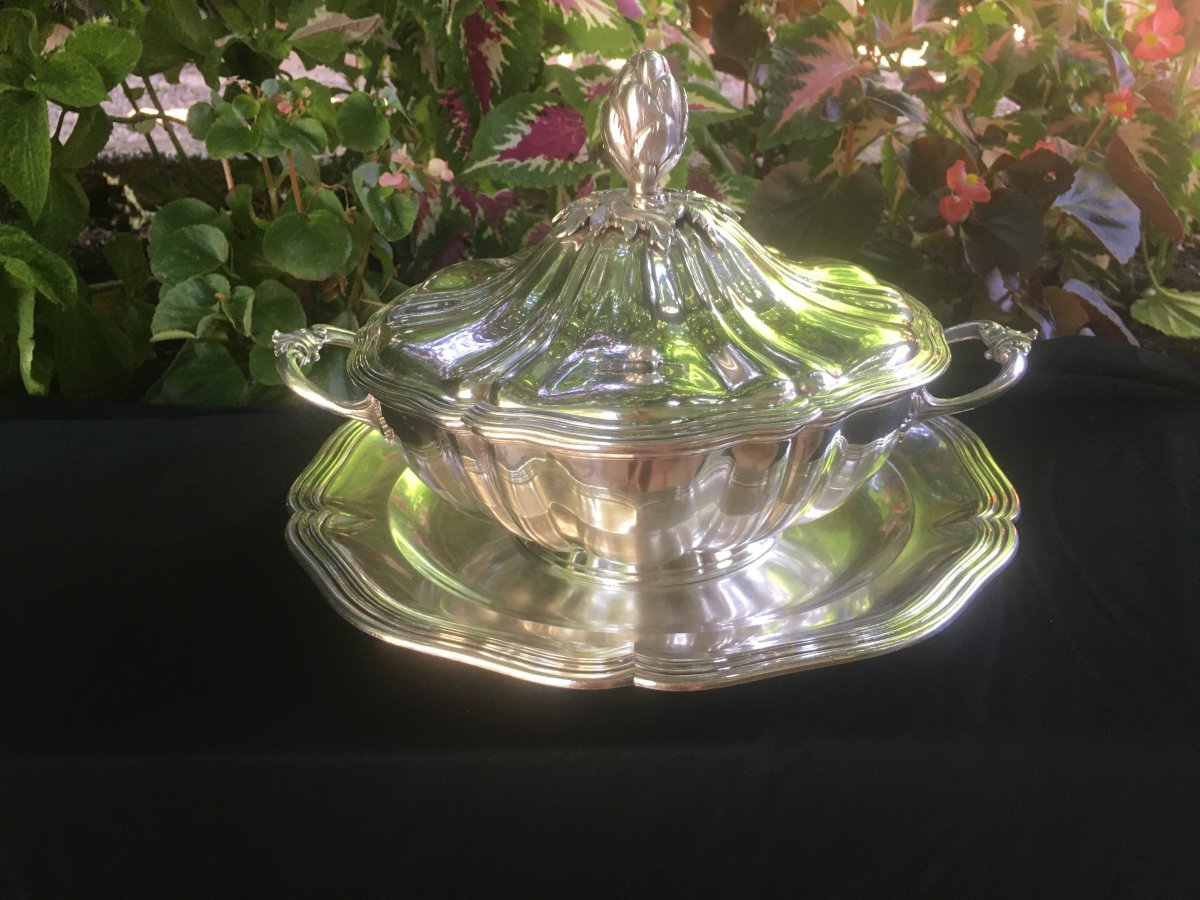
{"type": "Point", "coordinates": [706, 105]}
{"type": "Point", "coordinates": [598, 25]}
{"type": "Point", "coordinates": [531, 140]}
{"type": "Point", "coordinates": [811, 61]}
{"type": "Point", "coordinates": [494, 46]}
{"type": "Point", "coordinates": [1159, 149]}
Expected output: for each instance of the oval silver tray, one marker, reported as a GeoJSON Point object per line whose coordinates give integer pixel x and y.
{"type": "Point", "coordinates": [894, 564]}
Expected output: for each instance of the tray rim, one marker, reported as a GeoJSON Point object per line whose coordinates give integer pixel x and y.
{"type": "Point", "coordinates": [357, 598]}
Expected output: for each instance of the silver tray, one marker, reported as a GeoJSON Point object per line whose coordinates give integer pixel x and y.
{"type": "Point", "coordinates": [892, 565]}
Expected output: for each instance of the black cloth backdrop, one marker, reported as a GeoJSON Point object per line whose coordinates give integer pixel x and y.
{"type": "Point", "coordinates": [182, 715]}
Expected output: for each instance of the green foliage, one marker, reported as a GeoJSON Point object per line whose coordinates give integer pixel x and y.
{"type": "Point", "coordinates": [463, 127]}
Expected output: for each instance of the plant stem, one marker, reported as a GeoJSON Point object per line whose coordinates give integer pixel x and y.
{"type": "Point", "coordinates": [848, 158]}
{"type": "Point", "coordinates": [356, 290]}
{"type": "Point", "coordinates": [271, 198]}
{"type": "Point", "coordinates": [291, 165]}
{"type": "Point", "coordinates": [718, 151]}
{"type": "Point", "coordinates": [1181, 83]}
{"type": "Point", "coordinates": [166, 120]}
{"type": "Point", "coordinates": [229, 185]}
{"type": "Point", "coordinates": [1095, 134]}
{"type": "Point", "coordinates": [133, 103]}
{"type": "Point", "coordinates": [62, 116]}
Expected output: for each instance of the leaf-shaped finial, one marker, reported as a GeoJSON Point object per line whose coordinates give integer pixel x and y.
{"type": "Point", "coordinates": [645, 122]}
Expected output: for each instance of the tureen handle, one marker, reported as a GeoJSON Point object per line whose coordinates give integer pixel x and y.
{"type": "Point", "coordinates": [1006, 346]}
{"type": "Point", "coordinates": [294, 349]}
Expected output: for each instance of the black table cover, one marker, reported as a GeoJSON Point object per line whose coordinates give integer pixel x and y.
{"type": "Point", "coordinates": [182, 714]}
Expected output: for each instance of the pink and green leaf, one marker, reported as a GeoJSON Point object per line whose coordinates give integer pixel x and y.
{"type": "Point", "coordinates": [531, 140]}
{"type": "Point", "coordinates": [599, 26]}
{"type": "Point", "coordinates": [707, 105]}
{"type": "Point", "coordinates": [812, 61]}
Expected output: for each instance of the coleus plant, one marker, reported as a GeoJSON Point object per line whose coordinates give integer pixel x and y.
{"type": "Point", "coordinates": [1006, 161]}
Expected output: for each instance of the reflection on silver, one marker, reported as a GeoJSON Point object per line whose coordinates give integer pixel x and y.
{"type": "Point", "coordinates": [648, 386]}
{"type": "Point", "coordinates": [895, 562]}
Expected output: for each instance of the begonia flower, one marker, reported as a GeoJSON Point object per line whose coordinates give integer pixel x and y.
{"type": "Point", "coordinates": [1120, 104]}
{"type": "Point", "coordinates": [437, 170]}
{"type": "Point", "coordinates": [397, 180]}
{"type": "Point", "coordinates": [954, 208]}
{"type": "Point", "coordinates": [966, 184]}
{"type": "Point", "coordinates": [1158, 33]}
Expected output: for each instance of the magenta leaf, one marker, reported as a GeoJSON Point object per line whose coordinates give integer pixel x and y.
{"type": "Point", "coordinates": [531, 140]}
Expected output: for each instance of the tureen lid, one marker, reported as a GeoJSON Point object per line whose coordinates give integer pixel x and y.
{"type": "Point", "coordinates": [646, 316]}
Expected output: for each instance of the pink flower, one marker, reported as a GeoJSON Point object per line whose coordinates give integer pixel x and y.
{"type": "Point", "coordinates": [437, 170]}
{"type": "Point", "coordinates": [397, 180]}
{"type": "Point", "coordinates": [954, 208]}
{"type": "Point", "coordinates": [1159, 33]}
{"type": "Point", "coordinates": [284, 107]}
{"type": "Point", "coordinates": [1120, 104]}
{"type": "Point", "coordinates": [966, 189]}
{"type": "Point", "coordinates": [401, 158]}
{"type": "Point", "coordinates": [966, 184]}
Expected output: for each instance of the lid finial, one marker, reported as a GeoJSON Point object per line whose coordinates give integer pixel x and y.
{"type": "Point", "coordinates": [645, 123]}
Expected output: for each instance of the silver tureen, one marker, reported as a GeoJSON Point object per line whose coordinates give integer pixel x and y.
{"type": "Point", "coordinates": [648, 390]}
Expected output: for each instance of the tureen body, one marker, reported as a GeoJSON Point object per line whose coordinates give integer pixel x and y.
{"type": "Point", "coordinates": [648, 390]}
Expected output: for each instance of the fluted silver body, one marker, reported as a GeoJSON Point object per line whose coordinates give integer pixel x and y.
{"type": "Point", "coordinates": [649, 392]}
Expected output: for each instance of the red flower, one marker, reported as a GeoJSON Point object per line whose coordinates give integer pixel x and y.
{"type": "Point", "coordinates": [1159, 33]}
{"type": "Point", "coordinates": [1120, 104]}
{"type": "Point", "coordinates": [966, 189]}
{"type": "Point", "coordinates": [954, 208]}
{"type": "Point", "coordinates": [966, 184]}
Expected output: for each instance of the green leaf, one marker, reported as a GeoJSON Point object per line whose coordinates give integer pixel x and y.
{"type": "Point", "coordinates": [192, 250]}
{"type": "Point", "coordinates": [393, 212]}
{"type": "Point", "coordinates": [311, 247]}
{"type": "Point", "coordinates": [229, 135]}
{"type": "Point", "coordinates": [361, 126]}
{"type": "Point", "coordinates": [88, 137]}
{"type": "Point", "coordinates": [186, 211]}
{"type": "Point", "coordinates": [263, 366]}
{"type": "Point", "coordinates": [18, 35]}
{"type": "Point", "coordinates": [181, 307]}
{"type": "Point", "coordinates": [1006, 233]}
{"type": "Point", "coordinates": [306, 135]}
{"type": "Point", "coordinates": [36, 369]}
{"type": "Point", "coordinates": [596, 26]}
{"type": "Point", "coordinates": [204, 374]}
{"type": "Point", "coordinates": [891, 104]}
{"type": "Point", "coordinates": [706, 106]}
{"type": "Point", "coordinates": [1172, 312]}
{"type": "Point", "coordinates": [31, 263]}
{"type": "Point", "coordinates": [68, 79]}
{"type": "Point", "coordinates": [200, 117]}
{"type": "Point", "coordinates": [25, 149]}
{"type": "Point", "coordinates": [65, 213]}
{"type": "Point", "coordinates": [92, 354]}
{"type": "Point", "coordinates": [328, 36]}
{"type": "Point", "coordinates": [126, 256]}
{"type": "Point", "coordinates": [237, 308]}
{"type": "Point", "coordinates": [1104, 210]}
{"type": "Point", "coordinates": [274, 308]}
{"type": "Point", "coordinates": [802, 218]}
{"type": "Point", "coordinates": [113, 51]}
